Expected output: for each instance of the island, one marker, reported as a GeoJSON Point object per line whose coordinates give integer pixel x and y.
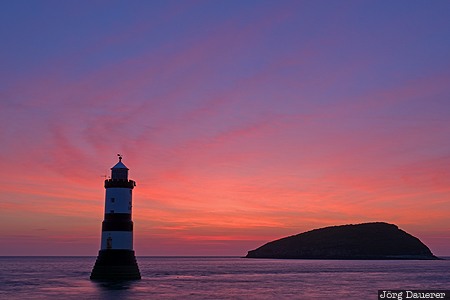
{"type": "Point", "coordinates": [376, 240]}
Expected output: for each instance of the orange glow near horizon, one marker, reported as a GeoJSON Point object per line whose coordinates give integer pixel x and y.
{"type": "Point", "coordinates": [220, 216]}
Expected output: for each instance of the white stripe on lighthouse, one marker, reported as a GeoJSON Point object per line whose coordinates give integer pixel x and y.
{"type": "Point", "coordinates": [118, 200]}
{"type": "Point", "coordinates": [117, 240]}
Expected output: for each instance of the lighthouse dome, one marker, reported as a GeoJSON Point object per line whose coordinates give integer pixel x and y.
{"type": "Point", "coordinates": [119, 165]}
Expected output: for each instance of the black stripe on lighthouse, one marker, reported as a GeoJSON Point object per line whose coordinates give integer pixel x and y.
{"type": "Point", "coordinates": [118, 217]}
{"type": "Point", "coordinates": [117, 222]}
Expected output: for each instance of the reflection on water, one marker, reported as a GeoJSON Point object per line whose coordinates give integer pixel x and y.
{"type": "Point", "coordinates": [115, 285]}
{"type": "Point", "coordinates": [218, 278]}
{"type": "Point", "coordinates": [113, 289]}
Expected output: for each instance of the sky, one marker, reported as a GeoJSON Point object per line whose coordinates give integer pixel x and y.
{"type": "Point", "coordinates": [240, 121]}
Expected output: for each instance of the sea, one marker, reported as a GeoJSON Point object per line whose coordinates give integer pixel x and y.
{"type": "Point", "coordinates": [220, 278]}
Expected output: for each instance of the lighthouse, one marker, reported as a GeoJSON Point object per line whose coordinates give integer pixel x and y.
{"type": "Point", "coordinates": [116, 259]}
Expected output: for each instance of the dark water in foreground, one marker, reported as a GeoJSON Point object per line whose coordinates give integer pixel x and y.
{"type": "Point", "coordinates": [219, 278]}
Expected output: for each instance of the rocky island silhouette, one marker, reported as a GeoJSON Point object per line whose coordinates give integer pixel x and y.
{"type": "Point", "coordinates": [376, 240]}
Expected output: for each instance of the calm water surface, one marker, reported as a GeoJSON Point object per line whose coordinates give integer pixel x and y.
{"type": "Point", "coordinates": [219, 278]}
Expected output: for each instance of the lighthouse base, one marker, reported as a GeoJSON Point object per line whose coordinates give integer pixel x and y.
{"type": "Point", "coordinates": [112, 264]}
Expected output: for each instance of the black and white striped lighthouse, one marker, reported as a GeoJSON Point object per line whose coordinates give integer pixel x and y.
{"type": "Point", "coordinates": [116, 259]}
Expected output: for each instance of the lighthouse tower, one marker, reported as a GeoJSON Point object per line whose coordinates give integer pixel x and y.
{"type": "Point", "coordinates": [116, 259]}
